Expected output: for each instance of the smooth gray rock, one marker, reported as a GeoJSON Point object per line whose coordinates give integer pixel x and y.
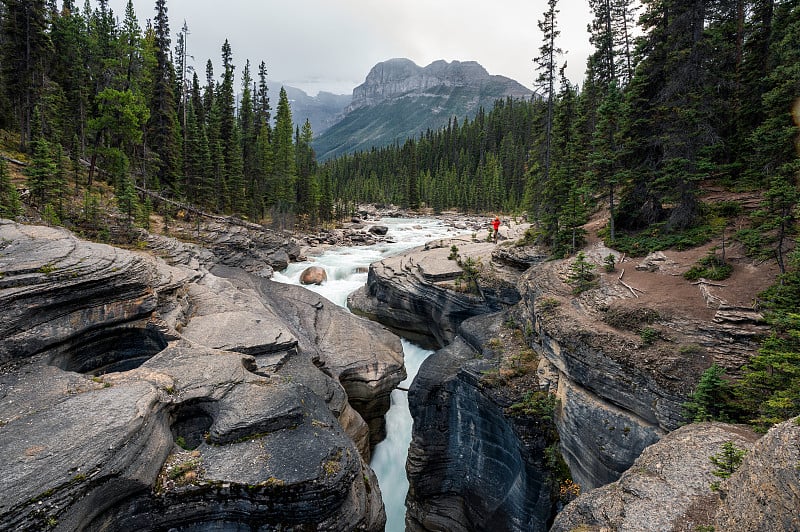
{"type": "Point", "coordinates": [471, 466]}
{"type": "Point", "coordinates": [51, 284]}
{"type": "Point", "coordinates": [276, 442]}
{"type": "Point", "coordinates": [764, 494]}
{"type": "Point", "coordinates": [666, 489]}
{"type": "Point", "coordinates": [334, 336]}
{"type": "Point", "coordinates": [403, 293]}
{"type": "Point", "coordinates": [226, 317]}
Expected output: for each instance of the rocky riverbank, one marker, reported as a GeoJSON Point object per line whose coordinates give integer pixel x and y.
{"type": "Point", "coordinates": [146, 394]}
{"type": "Point", "coordinates": [176, 386]}
{"type": "Point", "coordinates": [619, 361]}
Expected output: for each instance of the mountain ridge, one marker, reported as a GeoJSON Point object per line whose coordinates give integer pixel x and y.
{"type": "Point", "coordinates": [399, 99]}
{"type": "Point", "coordinates": [322, 111]}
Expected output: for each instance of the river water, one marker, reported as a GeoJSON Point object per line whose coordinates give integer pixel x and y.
{"type": "Point", "coordinates": [346, 270]}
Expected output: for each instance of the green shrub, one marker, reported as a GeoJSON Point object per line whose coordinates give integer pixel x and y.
{"type": "Point", "coordinates": [547, 304]}
{"type": "Point", "coordinates": [710, 396]}
{"type": "Point", "coordinates": [656, 238]}
{"type": "Point", "coordinates": [539, 404]}
{"type": "Point", "coordinates": [471, 273]}
{"type": "Point", "coordinates": [709, 267]}
{"type": "Point", "coordinates": [649, 335]}
{"type": "Point", "coordinates": [726, 209]}
{"type": "Point", "coordinates": [453, 253]}
{"type": "Point", "coordinates": [581, 276]}
{"type": "Point", "coordinates": [755, 243]}
{"type": "Point", "coordinates": [610, 263]}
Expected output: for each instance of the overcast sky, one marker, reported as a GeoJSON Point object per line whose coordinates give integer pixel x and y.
{"type": "Point", "coordinates": [332, 44]}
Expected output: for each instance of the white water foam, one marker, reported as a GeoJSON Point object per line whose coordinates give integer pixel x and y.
{"type": "Point", "coordinates": [346, 270]}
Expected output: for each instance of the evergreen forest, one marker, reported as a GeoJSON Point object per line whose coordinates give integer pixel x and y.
{"type": "Point", "coordinates": [678, 96]}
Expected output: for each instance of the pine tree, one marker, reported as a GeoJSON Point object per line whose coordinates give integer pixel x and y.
{"type": "Point", "coordinates": [130, 38]}
{"type": "Point", "coordinates": [264, 193]}
{"type": "Point", "coordinates": [325, 197]}
{"type": "Point", "coordinates": [199, 186]}
{"type": "Point", "coordinates": [262, 97]}
{"type": "Point", "coordinates": [623, 23]}
{"type": "Point", "coordinates": [226, 98]}
{"type": "Point", "coordinates": [69, 70]}
{"type": "Point", "coordinates": [215, 148]}
{"type": "Point", "coordinates": [726, 462]}
{"type": "Point", "coordinates": [164, 132]}
{"type": "Point", "coordinates": [605, 158]}
{"type": "Point", "coordinates": [601, 36]}
{"type": "Point", "coordinates": [547, 66]}
{"type": "Point", "coordinates": [774, 155]}
{"type": "Point", "coordinates": [672, 121]}
{"type": "Point", "coordinates": [127, 199]}
{"type": "Point", "coordinates": [307, 189]}
{"type": "Point", "coordinates": [284, 174]}
{"type": "Point", "coordinates": [41, 172]}
{"type": "Point", "coordinates": [181, 75]}
{"type": "Point", "coordinates": [249, 131]}
{"type": "Point", "coordinates": [209, 90]}
{"type": "Point", "coordinates": [25, 48]}
{"type": "Point", "coordinates": [709, 399]}
{"type": "Point", "coordinates": [235, 175]}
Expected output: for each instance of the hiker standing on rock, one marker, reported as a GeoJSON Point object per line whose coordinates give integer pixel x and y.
{"type": "Point", "coordinates": [496, 226]}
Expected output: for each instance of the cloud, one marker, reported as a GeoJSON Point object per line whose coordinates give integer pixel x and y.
{"type": "Point", "coordinates": [332, 44]}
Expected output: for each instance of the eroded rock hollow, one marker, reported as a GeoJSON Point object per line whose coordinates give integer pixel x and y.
{"type": "Point", "coordinates": [139, 393]}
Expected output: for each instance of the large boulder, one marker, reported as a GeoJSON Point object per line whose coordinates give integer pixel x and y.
{"type": "Point", "coordinates": [313, 275]}
{"type": "Point", "coordinates": [414, 293]}
{"type": "Point", "coordinates": [379, 230]}
{"type": "Point", "coordinates": [764, 494]}
{"type": "Point", "coordinates": [666, 489]}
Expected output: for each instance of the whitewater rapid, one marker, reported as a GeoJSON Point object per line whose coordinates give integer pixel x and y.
{"type": "Point", "coordinates": [346, 269]}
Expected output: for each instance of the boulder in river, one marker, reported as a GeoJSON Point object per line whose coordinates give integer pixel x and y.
{"type": "Point", "coordinates": [313, 275]}
{"type": "Point", "coordinates": [378, 230]}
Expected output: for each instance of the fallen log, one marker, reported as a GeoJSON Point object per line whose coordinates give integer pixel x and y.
{"type": "Point", "coordinates": [709, 283]}
{"type": "Point", "coordinates": [633, 289]}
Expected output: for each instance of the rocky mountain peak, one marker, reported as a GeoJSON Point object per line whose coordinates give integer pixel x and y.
{"type": "Point", "coordinates": [400, 77]}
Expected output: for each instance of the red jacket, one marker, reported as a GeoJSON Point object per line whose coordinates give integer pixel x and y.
{"type": "Point", "coordinates": [496, 224]}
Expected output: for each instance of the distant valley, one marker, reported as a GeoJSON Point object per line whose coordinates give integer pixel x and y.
{"type": "Point", "coordinates": [322, 111]}
{"type": "Point", "coordinates": [398, 100]}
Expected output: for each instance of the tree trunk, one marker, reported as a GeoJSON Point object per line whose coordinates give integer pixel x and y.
{"type": "Point", "coordinates": [611, 228]}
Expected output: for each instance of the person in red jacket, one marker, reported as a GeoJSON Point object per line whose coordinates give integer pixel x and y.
{"type": "Point", "coordinates": [496, 226]}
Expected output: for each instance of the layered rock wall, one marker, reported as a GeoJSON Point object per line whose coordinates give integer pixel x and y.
{"type": "Point", "coordinates": [413, 294]}
{"type": "Point", "coordinates": [135, 395]}
{"type": "Point", "coordinates": [470, 466]}
{"type": "Point", "coordinates": [618, 392]}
